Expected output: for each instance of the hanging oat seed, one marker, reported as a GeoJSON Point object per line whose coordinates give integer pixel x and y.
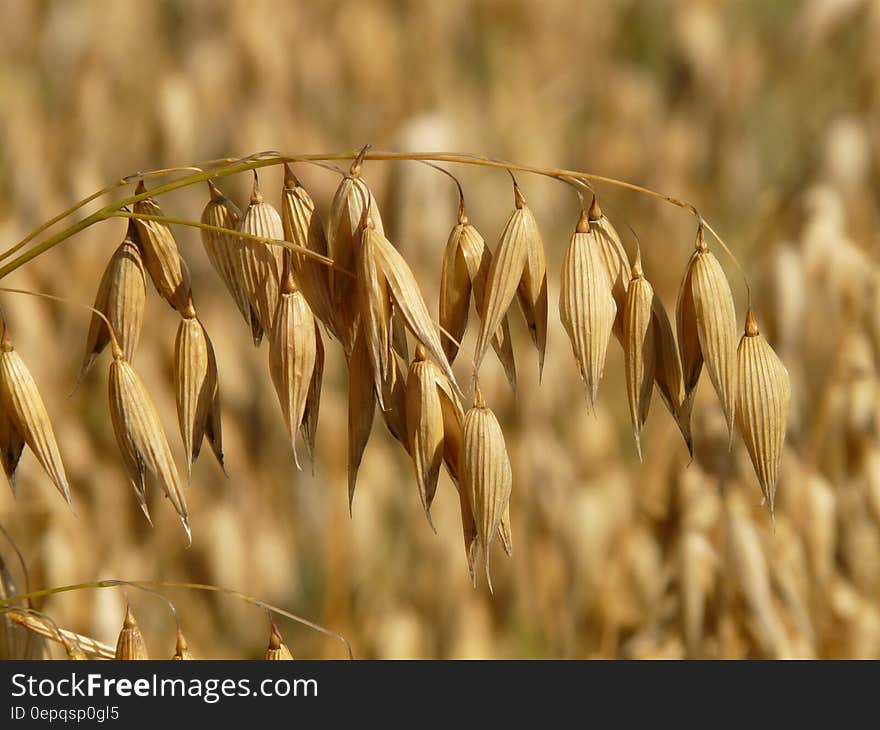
{"type": "Point", "coordinates": [161, 256]}
{"type": "Point", "coordinates": [424, 417]}
{"type": "Point", "coordinates": [586, 304]}
{"type": "Point", "coordinates": [28, 417]}
{"type": "Point", "coordinates": [141, 438]}
{"type": "Point", "coordinates": [292, 355]}
{"type": "Point", "coordinates": [303, 227]}
{"type": "Point", "coordinates": [121, 297]}
{"type": "Point", "coordinates": [196, 386]}
{"type": "Point", "coordinates": [261, 263]}
{"type": "Point", "coordinates": [639, 349]}
{"type": "Point", "coordinates": [224, 249]}
{"type": "Point", "coordinates": [616, 260]}
{"type": "Point", "coordinates": [130, 645]}
{"type": "Point", "coordinates": [764, 396]}
{"type": "Point", "coordinates": [466, 264]}
{"type": "Point", "coordinates": [485, 472]}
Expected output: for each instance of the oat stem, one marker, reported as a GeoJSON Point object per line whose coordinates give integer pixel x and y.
{"type": "Point", "coordinates": [225, 167]}
{"type": "Point", "coordinates": [149, 584]}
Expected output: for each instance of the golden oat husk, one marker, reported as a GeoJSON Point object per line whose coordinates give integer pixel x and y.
{"type": "Point", "coordinates": [224, 249]}
{"type": "Point", "coordinates": [11, 446]}
{"type": "Point", "coordinates": [162, 258]}
{"type": "Point", "coordinates": [505, 273]}
{"type": "Point", "coordinates": [292, 355]}
{"type": "Point", "coordinates": [142, 439]}
{"type": "Point", "coordinates": [303, 227]}
{"type": "Point", "coordinates": [21, 401]}
{"type": "Point", "coordinates": [261, 263]}
{"type": "Point", "coordinates": [424, 417]}
{"type": "Point", "coordinates": [486, 474]}
{"type": "Point", "coordinates": [181, 648]}
{"type": "Point", "coordinates": [586, 304]}
{"type": "Point", "coordinates": [309, 427]}
{"type": "Point", "coordinates": [196, 387]}
{"type": "Point", "coordinates": [374, 305]}
{"type": "Point", "coordinates": [466, 264]}
{"type": "Point", "coordinates": [361, 406]}
{"type": "Point", "coordinates": [668, 376]}
{"type": "Point", "coordinates": [764, 397]}
{"type": "Point", "coordinates": [639, 349]}
{"type": "Point", "coordinates": [17, 641]}
{"type": "Point", "coordinates": [616, 260]}
{"type": "Point", "coordinates": [690, 352]}
{"type": "Point", "coordinates": [277, 649]}
{"type": "Point", "coordinates": [130, 645]}
{"type": "Point", "coordinates": [121, 298]}
{"type": "Point", "coordinates": [716, 327]}
{"type": "Point", "coordinates": [532, 290]}
{"type": "Point", "coordinates": [408, 301]}
{"type": "Point", "coordinates": [344, 233]}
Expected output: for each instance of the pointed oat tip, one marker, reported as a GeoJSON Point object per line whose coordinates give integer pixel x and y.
{"type": "Point", "coordinates": [518, 198]}
{"type": "Point", "coordinates": [256, 194]}
{"type": "Point", "coordinates": [216, 194]}
{"type": "Point", "coordinates": [583, 224]}
{"type": "Point", "coordinates": [275, 638]}
{"type": "Point", "coordinates": [129, 621]}
{"type": "Point", "coordinates": [751, 324]}
{"type": "Point", "coordinates": [488, 575]}
{"type": "Point", "coordinates": [290, 180]}
{"type": "Point", "coordinates": [141, 188]}
{"type": "Point", "coordinates": [595, 209]}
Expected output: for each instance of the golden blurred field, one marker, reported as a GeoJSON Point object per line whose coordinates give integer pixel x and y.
{"type": "Point", "coordinates": [764, 115]}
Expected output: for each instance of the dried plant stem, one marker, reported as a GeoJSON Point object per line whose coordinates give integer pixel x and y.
{"type": "Point", "coordinates": [213, 169]}
{"type": "Point", "coordinates": [152, 585]}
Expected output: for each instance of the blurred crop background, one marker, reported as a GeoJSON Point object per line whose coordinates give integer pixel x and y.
{"type": "Point", "coordinates": [765, 115]}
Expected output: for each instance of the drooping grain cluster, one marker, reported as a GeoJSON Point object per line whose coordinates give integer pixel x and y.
{"type": "Point", "coordinates": [289, 277]}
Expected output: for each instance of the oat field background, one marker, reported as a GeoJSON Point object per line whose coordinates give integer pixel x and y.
{"type": "Point", "coordinates": [763, 115]}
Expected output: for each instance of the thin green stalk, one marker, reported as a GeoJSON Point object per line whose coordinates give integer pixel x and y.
{"type": "Point", "coordinates": [150, 584]}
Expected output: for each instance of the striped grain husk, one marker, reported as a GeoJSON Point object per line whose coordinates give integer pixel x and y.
{"type": "Point", "coordinates": [303, 227]}
{"type": "Point", "coordinates": [639, 349]}
{"type": "Point", "coordinates": [762, 409]}
{"type": "Point", "coordinates": [292, 355]}
{"type": "Point", "coordinates": [486, 474]}
{"type": "Point", "coordinates": [197, 389]}
{"type": "Point", "coordinates": [464, 275]}
{"type": "Point", "coordinates": [586, 304]}
{"type": "Point", "coordinates": [142, 439]}
{"type": "Point", "coordinates": [121, 298]}
{"type": "Point", "coordinates": [130, 645]}
{"type": "Point", "coordinates": [162, 258]}
{"type": "Point", "coordinates": [224, 249]}
{"type": "Point", "coordinates": [27, 418]}
{"type": "Point", "coordinates": [261, 262]}
{"type": "Point", "coordinates": [616, 260]}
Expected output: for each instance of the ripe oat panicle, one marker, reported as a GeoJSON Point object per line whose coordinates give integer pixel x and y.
{"type": "Point", "coordinates": [762, 410]}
